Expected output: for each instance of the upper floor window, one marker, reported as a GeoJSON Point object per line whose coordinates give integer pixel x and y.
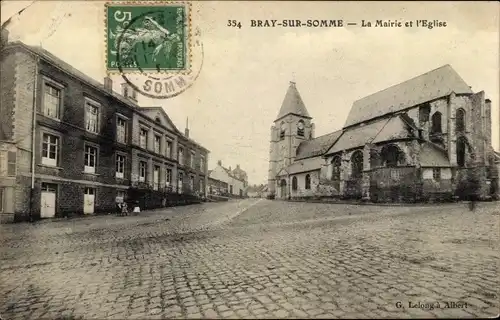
{"type": "Point", "coordinates": [50, 150]}
{"type": "Point", "coordinates": [157, 144]}
{"type": "Point", "coordinates": [121, 130]}
{"type": "Point", "coordinates": [51, 101]}
{"type": "Point", "coordinates": [202, 163]}
{"type": "Point", "coordinates": [143, 138]}
{"type": "Point", "coordinates": [436, 126]}
{"type": "Point", "coordinates": [168, 149]}
{"type": "Point", "coordinates": [460, 120]}
{"type": "Point", "coordinates": [181, 156]}
{"type": "Point", "coordinates": [120, 166]}
{"type": "Point", "coordinates": [300, 128]}
{"type": "Point", "coordinates": [91, 117]}
{"type": "Point", "coordinates": [90, 159]}
{"type": "Point", "coordinates": [191, 160]}
{"type": "Point", "coordinates": [282, 131]}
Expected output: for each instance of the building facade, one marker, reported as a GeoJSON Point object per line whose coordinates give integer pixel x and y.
{"type": "Point", "coordinates": [236, 186]}
{"type": "Point", "coordinates": [426, 138]}
{"type": "Point", "coordinates": [77, 144]}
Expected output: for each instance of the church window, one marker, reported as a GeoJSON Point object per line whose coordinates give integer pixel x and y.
{"type": "Point", "coordinates": [282, 131]}
{"type": "Point", "coordinates": [357, 164]}
{"type": "Point", "coordinates": [436, 123]}
{"type": "Point", "coordinates": [392, 156]}
{"type": "Point", "coordinates": [436, 174]}
{"type": "Point", "coordinates": [308, 182]}
{"type": "Point", "coordinates": [300, 128]}
{"type": "Point", "coordinates": [460, 120]}
{"type": "Point", "coordinates": [461, 147]}
{"type": "Point", "coordinates": [294, 183]}
{"type": "Point", "coordinates": [336, 163]}
{"type": "Point", "coordinates": [424, 113]}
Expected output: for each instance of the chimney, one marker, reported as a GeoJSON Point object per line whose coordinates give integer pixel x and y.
{"type": "Point", "coordinates": [313, 127]}
{"type": "Point", "coordinates": [129, 92]}
{"type": "Point", "coordinates": [108, 84]}
{"type": "Point", "coordinates": [219, 163]}
{"type": "Point", "coordinates": [4, 37]}
{"type": "Point", "coordinates": [237, 166]}
{"type": "Point", "coordinates": [229, 168]}
{"type": "Point", "coordinates": [186, 131]}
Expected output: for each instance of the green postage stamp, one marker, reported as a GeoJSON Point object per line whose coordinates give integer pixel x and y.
{"type": "Point", "coordinates": [148, 37]}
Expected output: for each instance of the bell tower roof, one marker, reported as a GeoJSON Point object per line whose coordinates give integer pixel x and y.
{"type": "Point", "coordinates": [293, 104]}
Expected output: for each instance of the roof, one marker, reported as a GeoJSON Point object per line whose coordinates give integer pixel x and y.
{"type": "Point", "coordinates": [426, 87]}
{"type": "Point", "coordinates": [229, 173]}
{"type": "Point", "coordinates": [432, 156]}
{"type": "Point", "coordinates": [317, 146]}
{"type": "Point", "coordinates": [305, 165]}
{"type": "Point", "coordinates": [292, 104]}
{"type": "Point", "coordinates": [66, 67]}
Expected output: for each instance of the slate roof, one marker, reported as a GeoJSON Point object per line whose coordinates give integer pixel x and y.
{"type": "Point", "coordinates": [304, 165]}
{"type": "Point", "coordinates": [230, 174]}
{"type": "Point", "coordinates": [317, 146]}
{"type": "Point", "coordinates": [432, 156]}
{"type": "Point", "coordinates": [426, 87]}
{"type": "Point", "coordinates": [292, 104]}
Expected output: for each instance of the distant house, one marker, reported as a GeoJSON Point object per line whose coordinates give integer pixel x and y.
{"type": "Point", "coordinates": [256, 191]}
{"type": "Point", "coordinates": [236, 186]}
{"type": "Point", "coordinates": [216, 187]}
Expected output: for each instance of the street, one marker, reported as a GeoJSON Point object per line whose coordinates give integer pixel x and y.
{"type": "Point", "coordinates": [256, 258]}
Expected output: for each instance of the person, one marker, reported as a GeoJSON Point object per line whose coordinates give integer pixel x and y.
{"type": "Point", "coordinates": [124, 209]}
{"type": "Point", "coordinates": [118, 202]}
{"type": "Point", "coordinates": [137, 209]}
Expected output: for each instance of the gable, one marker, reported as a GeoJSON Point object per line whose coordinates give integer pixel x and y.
{"type": "Point", "coordinates": [426, 87]}
{"type": "Point", "coordinates": [157, 113]}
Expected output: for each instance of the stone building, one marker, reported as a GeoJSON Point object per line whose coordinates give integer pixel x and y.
{"type": "Point", "coordinates": [426, 138]}
{"type": "Point", "coordinates": [74, 144]}
{"type": "Point", "coordinates": [236, 186]}
{"type": "Point", "coordinates": [216, 187]}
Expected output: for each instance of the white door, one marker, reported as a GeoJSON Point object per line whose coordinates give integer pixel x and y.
{"type": "Point", "coordinates": [89, 201]}
{"type": "Point", "coordinates": [48, 200]}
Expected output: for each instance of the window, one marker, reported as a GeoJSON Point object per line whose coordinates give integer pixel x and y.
{"type": "Point", "coordinates": [395, 174]}
{"type": "Point", "coordinates": [202, 186]}
{"type": "Point", "coordinates": [181, 156]}
{"type": "Point", "coordinates": [50, 150]}
{"type": "Point", "coordinates": [357, 165]}
{"type": "Point", "coordinates": [11, 163]}
{"type": "Point", "coordinates": [282, 131]}
{"type": "Point", "coordinates": [191, 183]}
{"type": "Point", "coordinates": [168, 151]}
{"type": "Point", "coordinates": [461, 148]}
{"type": "Point", "coordinates": [121, 130]}
{"type": "Point", "coordinates": [336, 164]}
{"type": "Point", "coordinates": [51, 101]}
{"type": "Point", "coordinates": [436, 123]}
{"type": "Point", "coordinates": [143, 138]}
{"type": "Point", "coordinates": [120, 166]}
{"type": "Point", "coordinates": [191, 160]}
{"type": "Point", "coordinates": [156, 177]}
{"type": "Point", "coordinates": [158, 120]}
{"type": "Point", "coordinates": [168, 177]}
{"type": "Point", "coordinates": [424, 113]}
{"type": "Point", "coordinates": [157, 144]}
{"type": "Point", "coordinates": [436, 174]}
{"type": "Point", "coordinates": [91, 117]}
{"type": "Point", "coordinates": [90, 159]}
{"type": "Point", "coordinates": [1, 200]}
{"type": "Point", "coordinates": [460, 120]}
{"type": "Point", "coordinates": [392, 156]}
{"type": "Point", "coordinates": [202, 163]}
{"type": "Point", "coordinates": [120, 196]}
{"type": "Point", "coordinates": [294, 183]}
{"type": "Point", "coordinates": [142, 170]}
{"type": "Point", "coordinates": [308, 182]}
{"type": "Point", "coordinates": [231, 189]}
{"type": "Point", "coordinates": [300, 128]}
{"type": "Point", "coordinates": [180, 182]}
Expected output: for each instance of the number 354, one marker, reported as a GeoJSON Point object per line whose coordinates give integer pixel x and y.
{"type": "Point", "coordinates": [234, 24]}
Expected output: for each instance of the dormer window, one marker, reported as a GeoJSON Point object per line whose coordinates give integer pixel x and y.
{"type": "Point", "coordinates": [300, 128]}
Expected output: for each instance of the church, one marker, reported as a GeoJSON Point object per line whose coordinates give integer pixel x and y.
{"type": "Point", "coordinates": [426, 139]}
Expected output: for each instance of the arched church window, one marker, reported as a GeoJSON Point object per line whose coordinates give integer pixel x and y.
{"type": "Point", "coordinates": [308, 182]}
{"type": "Point", "coordinates": [392, 156]}
{"type": "Point", "coordinates": [460, 120]}
{"type": "Point", "coordinates": [282, 131]}
{"type": "Point", "coordinates": [357, 164]}
{"type": "Point", "coordinates": [436, 123]}
{"type": "Point", "coordinates": [336, 163]}
{"type": "Point", "coordinates": [294, 183]}
{"type": "Point", "coordinates": [300, 128]}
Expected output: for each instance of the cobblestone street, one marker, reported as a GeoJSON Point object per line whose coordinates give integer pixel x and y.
{"type": "Point", "coordinates": [256, 258]}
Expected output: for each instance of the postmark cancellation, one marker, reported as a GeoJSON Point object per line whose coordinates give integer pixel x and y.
{"type": "Point", "coordinates": [148, 37]}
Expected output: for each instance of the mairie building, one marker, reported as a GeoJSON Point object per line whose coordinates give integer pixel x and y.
{"type": "Point", "coordinates": [428, 138]}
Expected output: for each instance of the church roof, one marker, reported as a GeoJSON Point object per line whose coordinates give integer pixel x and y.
{"type": "Point", "coordinates": [305, 165]}
{"type": "Point", "coordinates": [317, 146]}
{"type": "Point", "coordinates": [426, 87]}
{"type": "Point", "coordinates": [431, 156]}
{"type": "Point", "coordinates": [292, 104]}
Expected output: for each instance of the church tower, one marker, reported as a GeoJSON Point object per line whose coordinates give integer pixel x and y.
{"type": "Point", "coordinates": [292, 126]}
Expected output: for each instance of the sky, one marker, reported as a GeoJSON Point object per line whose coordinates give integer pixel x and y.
{"type": "Point", "coordinates": [246, 71]}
